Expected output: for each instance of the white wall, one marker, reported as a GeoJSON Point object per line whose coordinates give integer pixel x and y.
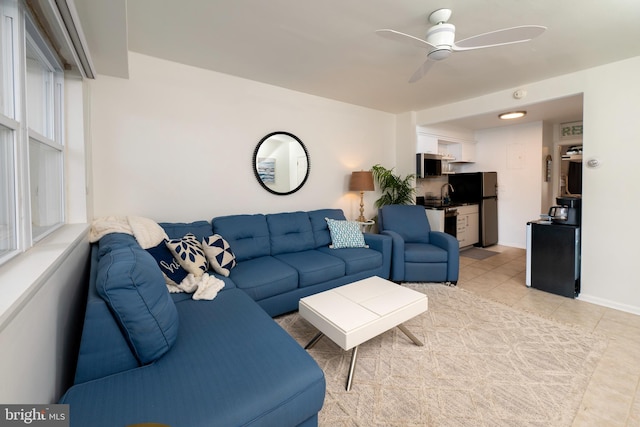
{"type": "Point", "coordinates": [175, 143]}
{"type": "Point", "coordinates": [609, 255]}
{"type": "Point", "coordinates": [39, 341]}
{"type": "Point", "coordinates": [514, 153]}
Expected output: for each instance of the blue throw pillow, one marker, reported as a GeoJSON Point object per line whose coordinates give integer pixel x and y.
{"type": "Point", "coordinates": [345, 234]}
{"type": "Point", "coordinates": [132, 285]}
{"type": "Point", "coordinates": [168, 264]}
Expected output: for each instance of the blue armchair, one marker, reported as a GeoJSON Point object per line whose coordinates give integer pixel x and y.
{"type": "Point", "coordinates": [418, 254]}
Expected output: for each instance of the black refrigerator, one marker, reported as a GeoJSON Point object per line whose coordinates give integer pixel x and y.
{"type": "Point", "coordinates": [479, 188]}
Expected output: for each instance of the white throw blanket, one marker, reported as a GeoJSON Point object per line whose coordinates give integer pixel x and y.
{"type": "Point", "coordinates": [149, 234]}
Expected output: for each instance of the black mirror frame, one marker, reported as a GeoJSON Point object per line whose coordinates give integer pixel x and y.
{"type": "Point", "coordinates": [255, 159]}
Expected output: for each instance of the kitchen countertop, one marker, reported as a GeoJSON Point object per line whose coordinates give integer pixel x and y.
{"type": "Point", "coordinates": [437, 204]}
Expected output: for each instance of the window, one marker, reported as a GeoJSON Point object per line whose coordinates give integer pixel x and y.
{"type": "Point", "coordinates": [8, 240]}
{"type": "Point", "coordinates": [45, 179]}
{"type": "Point", "coordinates": [31, 133]}
{"type": "Point", "coordinates": [8, 126]}
{"type": "Point", "coordinates": [44, 100]}
{"type": "Point", "coordinates": [7, 64]}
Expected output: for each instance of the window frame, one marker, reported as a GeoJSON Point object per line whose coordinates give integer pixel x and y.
{"type": "Point", "coordinates": [17, 29]}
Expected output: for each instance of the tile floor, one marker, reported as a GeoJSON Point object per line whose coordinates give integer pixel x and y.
{"type": "Point", "coordinates": [613, 395]}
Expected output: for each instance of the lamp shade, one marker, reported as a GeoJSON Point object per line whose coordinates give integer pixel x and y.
{"type": "Point", "coordinates": [361, 181]}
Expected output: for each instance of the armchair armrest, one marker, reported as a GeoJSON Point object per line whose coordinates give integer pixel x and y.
{"type": "Point", "coordinates": [378, 242]}
{"type": "Point", "coordinates": [382, 244]}
{"type": "Point", "coordinates": [444, 241]}
{"type": "Point", "coordinates": [397, 255]}
{"type": "Point", "coordinates": [451, 245]}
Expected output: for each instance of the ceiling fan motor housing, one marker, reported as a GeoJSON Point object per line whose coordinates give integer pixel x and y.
{"type": "Point", "coordinates": [442, 36]}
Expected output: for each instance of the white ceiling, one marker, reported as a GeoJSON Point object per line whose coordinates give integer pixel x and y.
{"type": "Point", "coordinates": [329, 48]}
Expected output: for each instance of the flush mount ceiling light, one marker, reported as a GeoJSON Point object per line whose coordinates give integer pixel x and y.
{"type": "Point", "coordinates": [512, 115]}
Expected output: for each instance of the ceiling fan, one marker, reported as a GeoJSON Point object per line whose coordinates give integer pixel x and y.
{"type": "Point", "coordinates": [440, 39]}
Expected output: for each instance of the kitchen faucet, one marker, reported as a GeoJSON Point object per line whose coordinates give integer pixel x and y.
{"type": "Point", "coordinates": [449, 188]}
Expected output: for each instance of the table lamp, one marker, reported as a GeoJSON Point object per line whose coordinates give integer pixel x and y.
{"type": "Point", "coordinates": [361, 181]}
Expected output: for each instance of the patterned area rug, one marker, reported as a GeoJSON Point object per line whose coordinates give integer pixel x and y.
{"type": "Point", "coordinates": [482, 364]}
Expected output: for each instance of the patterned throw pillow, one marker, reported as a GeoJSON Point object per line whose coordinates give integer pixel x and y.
{"type": "Point", "coordinates": [173, 271]}
{"type": "Point", "coordinates": [345, 234]}
{"type": "Point", "coordinates": [219, 254]}
{"type": "Point", "coordinates": [189, 254]}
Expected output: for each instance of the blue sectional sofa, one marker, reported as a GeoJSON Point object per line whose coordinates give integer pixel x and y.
{"type": "Point", "coordinates": [286, 256]}
{"type": "Point", "coordinates": [148, 356]}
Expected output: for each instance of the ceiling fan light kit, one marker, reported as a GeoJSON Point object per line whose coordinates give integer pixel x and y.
{"type": "Point", "coordinates": [440, 39]}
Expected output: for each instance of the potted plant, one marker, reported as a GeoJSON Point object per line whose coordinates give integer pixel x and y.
{"type": "Point", "coordinates": [395, 189]}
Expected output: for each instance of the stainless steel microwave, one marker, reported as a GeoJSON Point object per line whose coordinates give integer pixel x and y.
{"type": "Point", "coordinates": [428, 165]}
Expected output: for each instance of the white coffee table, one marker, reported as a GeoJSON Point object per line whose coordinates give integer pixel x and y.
{"type": "Point", "coordinates": [355, 313]}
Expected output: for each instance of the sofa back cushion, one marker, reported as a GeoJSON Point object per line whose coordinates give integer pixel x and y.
{"type": "Point", "coordinates": [321, 234]}
{"type": "Point", "coordinates": [103, 349]}
{"type": "Point", "coordinates": [247, 235]}
{"type": "Point", "coordinates": [133, 287]}
{"type": "Point", "coordinates": [410, 221]}
{"type": "Point", "coordinates": [290, 232]}
{"type": "Point", "coordinates": [176, 230]}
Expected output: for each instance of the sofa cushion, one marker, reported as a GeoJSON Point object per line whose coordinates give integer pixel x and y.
{"type": "Point", "coordinates": [131, 283]}
{"type": "Point", "coordinates": [248, 235]}
{"type": "Point", "coordinates": [356, 260]}
{"type": "Point", "coordinates": [264, 277]}
{"type": "Point", "coordinates": [103, 348]}
{"type": "Point", "coordinates": [424, 253]}
{"type": "Point", "coordinates": [113, 241]}
{"type": "Point", "coordinates": [188, 251]}
{"type": "Point", "coordinates": [175, 230]}
{"type": "Point", "coordinates": [219, 254]}
{"type": "Point", "coordinates": [321, 233]}
{"type": "Point", "coordinates": [314, 267]}
{"type": "Point", "coordinates": [290, 232]}
{"type": "Point", "coordinates": [345, 234]}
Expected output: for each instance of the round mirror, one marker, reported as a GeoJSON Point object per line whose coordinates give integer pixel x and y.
{"type": "Point", "coordinates": [281, 163]}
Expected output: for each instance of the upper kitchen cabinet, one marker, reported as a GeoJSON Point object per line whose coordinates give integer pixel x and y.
{"type": "Point", "coordinates": [463, 152]}
{"type": "Point", "coordinates": [427, 143]}
{"type": "Point", "coordinates": [452, 146]}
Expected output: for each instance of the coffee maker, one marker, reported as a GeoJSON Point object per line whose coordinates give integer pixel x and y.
{"type": "Point", "coordinates": [567, 212]}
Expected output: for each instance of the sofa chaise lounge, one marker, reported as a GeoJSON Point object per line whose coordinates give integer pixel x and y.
{"type": "Point", "coordinates": [150, 356]}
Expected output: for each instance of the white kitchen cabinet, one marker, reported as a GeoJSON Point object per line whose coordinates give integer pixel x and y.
{"type": "Point", "coordinates": [468, 152]}
{"type": "Point", "coordinates": [464, 152]}
{"type": "Point", "coordinates": [468, 230]}
{"type": "Point", "coordinates": [436, 219]}
{"type": "Point", "coordinates": [427, 143]}
{"type": "Point", "coordinates": [454, 149]}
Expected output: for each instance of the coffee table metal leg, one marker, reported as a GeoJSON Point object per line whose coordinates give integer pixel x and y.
{"type": "Point", "coordinates": [412, 337]}
{"type": "Point", "coordinates": [352, 367]}
{"type": "Point", "coordinates": [314, 340]}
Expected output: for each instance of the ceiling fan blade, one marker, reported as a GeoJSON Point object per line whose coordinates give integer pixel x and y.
{"type": "Point", "coordinates": [500, 37]}
{"type": "Point", "coordinates": [404, 38]}
{"type": "Point", "coordinates": [421, 71]}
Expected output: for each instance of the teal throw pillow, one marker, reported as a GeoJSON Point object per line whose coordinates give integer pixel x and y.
{"type": "Point", "coordinates": [345, 234]}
